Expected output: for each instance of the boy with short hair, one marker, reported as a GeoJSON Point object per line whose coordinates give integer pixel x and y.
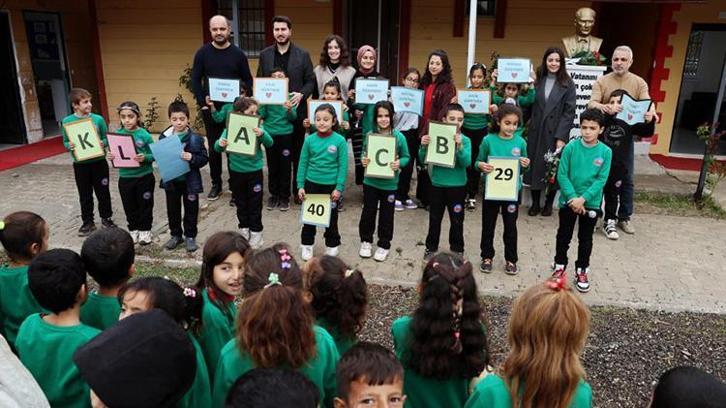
{"type": "Point", "coordinates": [91, 175]}
{"type": "Point", "coordinates": [46, 342]}
{"type": "Point", "coordinates": [108, 256]}
{"type": "Point", "coordinates": [369, 372]}
{"type": "Point", "coordinates": [583, 170]}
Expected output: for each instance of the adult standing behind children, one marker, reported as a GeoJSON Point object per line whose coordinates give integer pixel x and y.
{"type": "Point", "coordinates": [217, 59]}
{"type": "Point", "coordinates": [334, 63]}
{"type": "Point", "coordinates": [301, 79]}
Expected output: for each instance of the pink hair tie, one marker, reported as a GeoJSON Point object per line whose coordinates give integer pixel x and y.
{"type": "Point", "coordinates": [557, 284]}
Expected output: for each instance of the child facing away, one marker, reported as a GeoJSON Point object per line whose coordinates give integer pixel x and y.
{"type": "Point", "coordinates": [24, 235]}
{"type": "Point", "coordinates": [136, 184]}
{"type": "Point", "coordinates": [322, 169]}
{"type": "Point", "coordinates": [108, 256]}
{"type": "Point", "coordinates": [46, 341]}
{"type": "Point", "coordinates": [220, 281]}
{"type": "Point", "coordinates": [688, 387]}
{"type": "Point", "coordinates": [339, 297]}
{"type": "Point", "coordinates": [276, 328]}
{"type": "Point", "coordinates": [272, 387]}
{"type": "Point", "coordinates": [91, 175]}
{"type": "Point", "coordinates": [407, 123]}
{"type": "Point", "coordinates": [443, 345]}
{"type": "Point", "coordinates": [556, 321]}
{"type": "Point", "coordinates": [502, 142]}
{"type": "Point", "coordinates": [379, 194]}
{"type": "Point", "coordinates": [185, 307]}
{"type": "Point", "coordinates": [245, 176]}
{"type": "Point", "coordinates": [369, 375]}
{"type": "Point", "coordinates": [184, 190]}
{"type": "Point", "coordinates": [618, 135]}
{"type": "Point", "coordinates": [582, 173]}
{"type": "Point", "coordinates": [448, 187]}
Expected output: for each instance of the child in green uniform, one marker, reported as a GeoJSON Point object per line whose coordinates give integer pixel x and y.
{"type": "Point", "coordinates": [91, 175]}
{"type": "Point", "coordinates": [448, 187]}
{"type": "Point", "coordinates": [322, 169]}
{"type": "Point", "coordinates": [24, 235]}
{"type": "Point", "coordinates": [109, 258]}
{"type": "Point", "coordinates": [369, 375]}
{"type": "Point", "coordinates": [220, 281]}
{"type": "Point", "coordinates": [276, 328]}
{"type": "Point", "coordinates": [339, 297]}
{"type": "Point", "coordinates": [46, 342]}
{"type": "Point", "coordinates": [245, 177]}
{"type": "Point", "coordinates": [220, 116]}
{"type": "Point", "coordinates": [519, 95]}
{"type": "Point", "coordinates": [556, 321]}
{"type": "Point", "coordinates": [502, 142]}
{"type": "Point", "coordinates": [136, 184]}
{"type": "Point", "coordinates": [582, 173]}
{"type": "Point", "coordinates": [185, 307]}
{"type": "Point", "coordinates": [443, 345]}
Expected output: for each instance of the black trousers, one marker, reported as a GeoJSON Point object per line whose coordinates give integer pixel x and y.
{"type": "Point", "coordinates": [372, 197]}
{"type": "Point", "coordinates": [473, 176]}
{"type": "Point", "coordinates": [423, 184]}
{"type": "Point", "coordinates": [247, 193]}
{"type": "Point", "coordinates": [584, 237]}
{"type": "Point", "coordinates": [332, 236]}
{"type": "Point", "coordinates": [613, 196]}
{"type": "Point", "coordinates": [404, 178]}
{"type": "Point", "coordinates": [490, 213]}
{"type": "Point", "coordinates": [298, 138]}
{"type": "Point", "coordinates": [214, 131]}
{"type": "Point", "coordinates": [93, 177]}
{"type": "Point", "coordinates": [177, 195]}
{"type": "Point", "coordinates": [356, 141]}
{"type": "Point", "coordinates": [137, 197]}
{"type": "Point", "coordinates": [451, 199]}
{"type": "Point", "coordinates": [279, 163]}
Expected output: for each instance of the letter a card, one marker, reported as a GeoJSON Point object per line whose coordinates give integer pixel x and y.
{"type": "Point", "coordinates": [82, 133]}
{"type": "Point", "coordinates": [381, 150]}
{"type": "Point", "coordinates": [442, 146]}
{"type": "Point", "coordinates": [123, 149]}
{"type": "Point", "coordinates": [241, 139]}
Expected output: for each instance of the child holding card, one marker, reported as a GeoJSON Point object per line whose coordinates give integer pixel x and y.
{"type": "Point", "coordinates": [407, 123]}
{"type": "Point", "coordinates": [332, 92]}
{"type": "Point", "coordinates": [380, 193]}
{"type": "Point", "coordinates": [448, 187]}
{"type": "Point", "coordinates": [502, 142]}
{"type": "Point", "coordinates": [136, 184]}
{"type": "Point", "coordinates": [519, 95]}
{"type": "Point", "coordinates": [91, 175]}
{"type": "Point", "coordinates": [245, 176]}
{"type": "Point", "coordinates": [220, 116]}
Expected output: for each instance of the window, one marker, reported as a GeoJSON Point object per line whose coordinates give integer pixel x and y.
{"type": "Point", "coordinates": [248, 23]}
{"type": "Point", "coordinates": [693, 54]}
{"type": "Point", "coordinates": [485, 8]}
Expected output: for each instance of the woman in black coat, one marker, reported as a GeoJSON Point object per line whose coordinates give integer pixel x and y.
{"type": "Point", "coordinates": [553, 114]}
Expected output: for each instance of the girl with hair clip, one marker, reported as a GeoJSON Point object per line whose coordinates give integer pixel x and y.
{"type": "Point", "coordinates": [185, 307]}
{"type": "Point", "coordinates": [547, 333]}
{"type": "Point", "coordinates": [443, 346]}
{"type": "Point", "coordinates": [339, 297]}
{"type": "Point", "coordinates": [276, 328]}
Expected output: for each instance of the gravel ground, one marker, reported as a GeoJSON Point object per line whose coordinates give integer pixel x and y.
{"type": "Point", "coordinates": [626, 352]}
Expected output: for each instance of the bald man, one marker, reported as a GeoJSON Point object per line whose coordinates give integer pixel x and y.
{"type": "Point", "coordinates": [218, 59]}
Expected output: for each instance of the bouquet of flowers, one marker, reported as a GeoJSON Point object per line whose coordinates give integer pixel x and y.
{"type": "Point", "coordinates": [587, 57]}
{"type": "Point", "coordinates": [552, 161]}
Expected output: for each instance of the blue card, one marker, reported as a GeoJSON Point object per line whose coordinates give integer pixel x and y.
{"type": "Point", "coordinates": [513, 70]}
{"type": "Point", "coordinates": [633, 110]}
{"type": "Point", "coordinates": [407, 99]}
{"type": "Point", "coordinates": [370, 91]}
{"type": "Point", "coordinates": [167, 154]}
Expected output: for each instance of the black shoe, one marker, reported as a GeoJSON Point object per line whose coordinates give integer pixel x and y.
{"type": "Point", "coordinates": [215, 192]}
{"type": "Point", "coordinates": [283, 204]}
{"type": "Point", "coordinates": [86, 229]}
{"type": "Point", "coordinates": [232, 203]}
{"type": "Point", "coordinates": [272, 202]}
{"type": "Point", "coordinates": [511, 268]}
{"type": "Point", "coordinates": [534, 210]}
{"type": "Point", "coordinates": [173, 242]}
{"type": "Point", "coordinates": [191, 244]}
{"type": "Point", "coordinates": [107, 223]}
{"type": "Point", "coordinates": [547, 210]}
{"type": "Point", "coordinates": [486, 265]}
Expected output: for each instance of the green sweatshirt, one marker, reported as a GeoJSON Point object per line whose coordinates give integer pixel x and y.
{"type": "Point", "coordinates": [142, 140]}
{"type": "Point", "coordinates": [497, 146]}
{"type": "Point", "coordinates": [343, 132]}
{"type": "Point", "coordinates": [523, 100]}
{"type": "Point", "coordinates": [323, 160]}
{"type": "Point", "coordinates": [100, 311]}
{"type": "Point", "coordinates": [475, 121]}
{"type": "Point", "coordinates": [220, 116]}
{"type": "Point", "coordinates": [16, 301]}
{"type": "Point", "coordinates": [242, 163]}
{"type": "Point", "coordinates": [403, 156]}
{"type": "Point", "coordinates": [200, 393]}
{"type": "Point", "coordinates": [583, 172]}
{"type": "Point", "coordinates": [492, 392]}
{"type": "Point", "coordinates": [454, 176]}
{"type": "Point", "coordinates": [278, 120]}
{"type": "Point", "coordinates": [217, 329]}
{"type": "Point", "coordinates": [342, 343]}
{"type": "Point", "coordinates": [46, 350]}
{"type": "Point", "coordinates": [101, 128]}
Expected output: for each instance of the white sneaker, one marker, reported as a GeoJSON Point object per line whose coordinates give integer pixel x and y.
{"type": "Point", "coordinates": [366, 249]}
{"type": "Point", "coordinates": [144, 237]}
{"type": "Point", "coordinates": [134, 236]}
{"type": "Point", "coordinates": [398, 206]}
{"type": "Point", "coordinates": [381, 254]}
{"type": "Point", "coordinates": [627, 227]}
{"type": "Point", "coordinates": [332, 251]}
{"type": "Point", "coordinates": [307, 252]}
{"type": "Point", "coordinates": [610, 230]}
{"type": "Point", "coordinates": [410, 205]}
{"type": "Point", "coordinates": [256, 240]}
{"type": "Point", "coordinates": [245, 233]}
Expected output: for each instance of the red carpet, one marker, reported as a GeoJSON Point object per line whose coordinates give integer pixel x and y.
{"type": "Point", "coordinates": [24, 154]}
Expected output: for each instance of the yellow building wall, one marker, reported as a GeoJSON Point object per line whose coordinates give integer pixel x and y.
{"type": "Point", "coordinates": [312, 21]}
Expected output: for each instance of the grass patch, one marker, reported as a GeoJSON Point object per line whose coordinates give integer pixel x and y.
{"type": "Point", "coordinates": [676, 204]}
{"type": "Point", "coordinates": [182, 276]}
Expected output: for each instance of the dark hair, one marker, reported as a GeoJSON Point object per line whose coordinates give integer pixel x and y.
{"type": "Point", "coordinates": [241, 103]}
{"type": "Point", "coordinates": [331, 110]}
{"type": "Point", "coordinates": [387, 105]}
{"type": "Point", "coordinates": [182, 305]}
{"type": "Point", "coordinates": [343, 60]}
{"type": "Point", "coordinates": [282, 19]}
{"type": "Point", "coordinates": [76, 94]}
{"type": "Point", "coordinates": [275, 323]}
{"type": "Point", "coordinates": [688, 387]}
{"type": "Point", "coordinates": [177, 107]}
{"type": "Point", "coordinates": [22, 229]}
{"type": "Point", "coordinates": [478, 66]}
{"type": "Point", "coordinates": [108, 255]}
{"type": "Point", "coordinates": [411, 70]}
{"type": "Point", "coordinates": [593, 115]}
{"type": "Point", "coordinates": [563, 78]}
{"type": "Point", "coordinates": [278, 69]}
{"type": "Point", "coordinates": [217, 248]}
{"type": "Point", "coordinates": [133, 107]}
{"type": "Point", "coordinates": [340, 294]}
{"type": "Point", "coordinates": [368, 362]}
{"type": "Point", "coordinates": [447, 341]}
{"type": "Point", "coordinates": [452, 107]}
{"type": "Point", "coordinates": [333, 83]}
{"type": "Point", "coordinates": [444, 76]}
{"type": "Point", "coordinates": [55, 277]}
{"type": "Point", "coordinates": [504, 110]}
{"type": "Point", "coordinates": [618, 93]}
{"type": "Point", "coordinates": [271, 388]}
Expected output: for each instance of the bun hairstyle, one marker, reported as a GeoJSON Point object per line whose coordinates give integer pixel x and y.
{"type": "Point", "coordinates": [326, 107]}
{"type": "Point", "coordinates": [333, 83]}
{"type": "Point", "coordinates": [504, 110]}
{"type": "Point", "coordinates": [19, 231]}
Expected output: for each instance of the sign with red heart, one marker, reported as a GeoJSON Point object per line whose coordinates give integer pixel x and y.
{"type": "Point", "coordinates": [370, 91]}
{"type": "Point", "coordinates": [271, 91]}
{"type": "Point", "coordinates": [407, 99]}
{"type": "Point", "coordinates": [474, 101]}
{"type": "Point", "coordinates": [513, 70]}
{"type": "Point", "coordinates": [223, 90]}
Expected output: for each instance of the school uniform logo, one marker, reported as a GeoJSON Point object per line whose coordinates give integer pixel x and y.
{"type": "Point", "coordinates": [139, 143]}
{"type": "Point", "coordinates": [598, 162]}
{"type": "Point", "coordinates": [147, 195]}
{"type": "Point", "coordinates": [512, 208]}
{"type": "Point", "coordinates": [285, 152]}
{"type": "Point", "coordinates": [257, 188]}
{"type": "Point", "coordinates": [458, 208]}
{"type": "Point", "coordinates": [104, 181]}
{"type": "Point", "coordinates": [332, 149]}
{"type": "Point", "coordinates": [516, 151]}
{"type": "Point", "coordinates": [192, 197]}
{"type": "Point", "coordinates": [391, 198]}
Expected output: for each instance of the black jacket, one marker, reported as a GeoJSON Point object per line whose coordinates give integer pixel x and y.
{"type": "Point", "coordinates": [195, 146]}
{"type": "Point", "coordinates": [299, 73]}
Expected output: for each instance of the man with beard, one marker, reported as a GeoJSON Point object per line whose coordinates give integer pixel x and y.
{"type": "Point", "coordinates": [218, 59]}
{"type": "Point", "coordinates": [296, 62]}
